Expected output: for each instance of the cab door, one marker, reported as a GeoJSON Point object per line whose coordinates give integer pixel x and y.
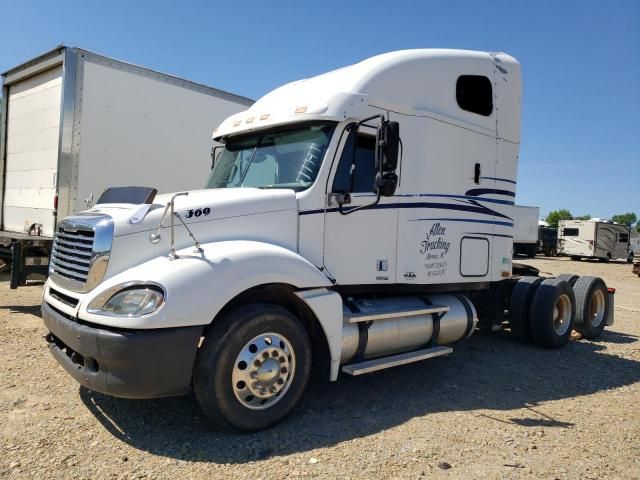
{"type": "Point", "coordinates": [359, 246]}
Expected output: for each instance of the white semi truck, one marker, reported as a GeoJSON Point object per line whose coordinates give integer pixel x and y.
{"type": "Point", "coordinates": [74, 122]}
{"type": "Point", "coordinates": [354, 221]}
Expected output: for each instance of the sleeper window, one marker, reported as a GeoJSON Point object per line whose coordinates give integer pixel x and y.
{"type": "Point", "coordinates": [623, 237]}
{"type": "Point", "coordinates": [570, 232]}
{"type": "Point", "coordinates": [474, 94]}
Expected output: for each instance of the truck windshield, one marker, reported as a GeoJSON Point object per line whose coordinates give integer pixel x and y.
{"type": "Point", "coordinates": [283, 158]}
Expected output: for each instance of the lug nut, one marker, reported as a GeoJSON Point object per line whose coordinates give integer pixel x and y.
{"type": "Point", "coordinates": [274, 354]}
{"type": "Point", "coordinates": [265, 354]}
{"type": "Point", "coordinates": [253, 374]}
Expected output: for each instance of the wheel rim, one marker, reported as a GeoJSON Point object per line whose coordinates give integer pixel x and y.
{"type": "Point", "coordinates": [596, 308]}
{"type": "Point", "coordinates": [562, 314]}
{"type": "Point", "coordinates": [263, 371]}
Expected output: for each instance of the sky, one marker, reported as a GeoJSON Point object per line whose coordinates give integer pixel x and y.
{"type": "Point", "coordinates": [580, 145]}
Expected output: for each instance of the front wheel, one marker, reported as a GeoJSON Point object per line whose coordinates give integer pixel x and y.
{"type": "Point", "coordinates": [253, 367]}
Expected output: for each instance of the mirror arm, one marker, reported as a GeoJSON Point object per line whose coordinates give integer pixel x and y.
{"type": "Point", "coordinates": [361, 207]}
{"type": "Point", "coordinates": [378, 195]}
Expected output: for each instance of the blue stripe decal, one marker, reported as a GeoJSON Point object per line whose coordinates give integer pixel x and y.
{"type": "Point", "coordinates": [471, 220]}
{"type": "Point", "coordinates": [464, 197]}
{"type": "Point", "coordinates": [500, 179]}
{"type": "Point", "coordinates": [443, 206]}
{"type": "Point", "coordinates": [482, 191]}
{"type": "Point", "coordinates": [489, 234]}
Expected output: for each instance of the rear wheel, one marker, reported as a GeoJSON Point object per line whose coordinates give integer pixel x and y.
{"type": "Point", "coordinates": [567, 277]}
{"type": "Point", "coordinates": [253, 367]}
{"type": "Point", "coordinates": [592, 306]}
{"type": "Point", "coordinates": [630, 258]}
{"type": "Point", "coordinates": [574, 258]}
{"type": "Point", "coordinates": [552, 313]}
{"type": "Point", "coordinates": [521, 296]}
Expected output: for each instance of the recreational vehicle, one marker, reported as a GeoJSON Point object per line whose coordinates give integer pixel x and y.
{"type": "Point", "coordinates": [594, 239]}
{"type": "Point", "coordinates": [352, 222]}
{"type": "Point", "coordinates": [74, 122]}
{"type": "Point", "coordinates": [635, 243]}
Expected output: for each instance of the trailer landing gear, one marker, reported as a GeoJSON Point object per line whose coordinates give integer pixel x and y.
{"type": "Point", "coordinates": [26, 257]}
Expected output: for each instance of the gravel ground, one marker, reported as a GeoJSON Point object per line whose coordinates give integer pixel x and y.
{"type": "Point", "coordinates": [494, 409]}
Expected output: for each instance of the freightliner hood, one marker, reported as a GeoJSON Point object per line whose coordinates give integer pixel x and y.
{"type": "Point", "coordinates": [221, 203]}
{"type": "Point", "coordinates": [213, 215]}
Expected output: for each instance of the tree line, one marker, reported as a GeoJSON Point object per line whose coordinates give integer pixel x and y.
{"type": "Point", "coordinates": [628, 219]}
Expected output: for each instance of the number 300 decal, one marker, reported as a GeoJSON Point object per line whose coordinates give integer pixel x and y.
{"type": "Point", "coordinates": [198, 212]}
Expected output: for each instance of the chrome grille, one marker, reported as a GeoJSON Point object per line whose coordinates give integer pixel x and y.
{"type": "Point", "coordinates": [71, 254]}
{"type": "Point", "coordinates": [81, 251]}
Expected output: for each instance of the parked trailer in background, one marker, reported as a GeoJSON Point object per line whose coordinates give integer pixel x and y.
{"type": "Point", "coordinates": [74, 122]}
{"type": "Point", "coordinates": [547, 241]}
{"type": "Point", "coordinates": [353, 222]}
{"type": "Point", "coordinates": [525, 230]}
{"type": "Point", "coordinates": [594, 239]}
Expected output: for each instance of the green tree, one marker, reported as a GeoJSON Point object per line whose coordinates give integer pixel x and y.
{"type": "Point", "coordinates": [627, 219]}
{"type": "Point", "coordinates": [583, 217]}
{"type": "Point", "coordinates": [556, 215]}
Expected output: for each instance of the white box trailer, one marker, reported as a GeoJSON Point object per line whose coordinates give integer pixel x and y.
{"type": "Point", "coordinates": [353, 222]}
{"type": "Point", "coordinates": [525, 230]}
{"type": "Point", "coordinates": [74, 122]}
{"type": "Point", "coordinates": [594, 239]}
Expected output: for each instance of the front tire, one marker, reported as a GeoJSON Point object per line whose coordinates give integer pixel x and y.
{"type": "Point", "coordinates": [253, 367]}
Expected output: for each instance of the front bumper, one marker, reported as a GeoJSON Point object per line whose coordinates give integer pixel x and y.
{"type": "Point", "coordinates": [123, 363]}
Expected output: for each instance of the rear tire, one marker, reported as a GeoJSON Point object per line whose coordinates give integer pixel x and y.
{"type": "Point", "coordinates": [552, 313]}
{"type": "Point", "coordinates": [575, 259]}
{"type": "Point", "coordinates": [570, 278]}
{"type": "Point", "coordinates": [592, 306]}
{"type": "Point", "coordinates": [521, 296]}
{"type": "Point", "coordinates": [253, 367]}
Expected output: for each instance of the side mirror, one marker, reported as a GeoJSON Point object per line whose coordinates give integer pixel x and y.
{"type": "Point", "coordinates": [388, 141]}
{"type": "Point", "coordinates": [386, 183]}
{"type": "Point", "coordinates": [215, 152]}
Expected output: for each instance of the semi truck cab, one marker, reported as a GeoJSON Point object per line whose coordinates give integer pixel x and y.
{"type": "Point", "coordinates": [352, 222]}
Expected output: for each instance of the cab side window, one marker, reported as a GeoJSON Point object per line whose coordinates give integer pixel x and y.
{"type": "Point", "coordinates": [362, 177]}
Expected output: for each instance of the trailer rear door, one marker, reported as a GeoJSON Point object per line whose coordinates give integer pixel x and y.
{"type": "Point", "coordinates": [33, 131]}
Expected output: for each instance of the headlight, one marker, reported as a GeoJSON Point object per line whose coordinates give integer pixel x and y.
{"type": "Point", "coordinates": [128, 302]}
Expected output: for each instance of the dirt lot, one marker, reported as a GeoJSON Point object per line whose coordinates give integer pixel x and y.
{"type": "Point", "coordinates": [493, 409]}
